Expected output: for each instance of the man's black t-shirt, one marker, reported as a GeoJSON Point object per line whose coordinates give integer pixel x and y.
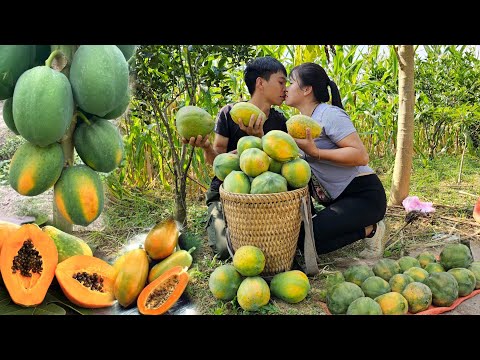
{"type": "Point", "coordinates": [225, 126]}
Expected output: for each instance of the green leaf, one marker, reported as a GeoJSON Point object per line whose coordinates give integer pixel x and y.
{"type": "Point", "coordinates": [55, 303]}
{"type": "Point", "coordinates": [42, 309]}
{"type": "Point", "coordinates": [4, 297]}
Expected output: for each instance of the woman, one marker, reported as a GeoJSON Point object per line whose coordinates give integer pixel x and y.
{"type": "Point", "coordinates": [353, 196]}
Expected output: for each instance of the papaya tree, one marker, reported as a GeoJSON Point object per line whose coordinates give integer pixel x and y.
{"type": "Point", "coordinates": [169, 77]}
{"type": "Point", "coordinates": [405, 131]}
{"type": "Point", "coordinates": [61, 105]}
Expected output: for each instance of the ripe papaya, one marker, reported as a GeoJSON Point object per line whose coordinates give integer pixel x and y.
{"type": "Point", "coordinates": [162, 239]}
{"type": "Point", "coordinates": [181, 258]}
{"type": "Point", "coordinates": [242, 111]}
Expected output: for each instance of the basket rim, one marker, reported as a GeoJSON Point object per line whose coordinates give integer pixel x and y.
{"type": "Point", "coordinates": [289, 192]}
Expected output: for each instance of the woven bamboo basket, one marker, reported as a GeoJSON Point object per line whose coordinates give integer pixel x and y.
{"type": "Point", "coordinates": [270, 222]}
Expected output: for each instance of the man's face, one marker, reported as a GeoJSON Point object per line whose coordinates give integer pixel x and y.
{"type": "Point", "coordinates": [274, 89]}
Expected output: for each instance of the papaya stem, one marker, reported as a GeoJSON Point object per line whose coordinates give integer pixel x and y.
{"type": "Point", "coordinates": [84, 118]}
{"type": "Point", "coordinates": [66, 142]}
{"type": "Point", "coordinates": [52, 56]}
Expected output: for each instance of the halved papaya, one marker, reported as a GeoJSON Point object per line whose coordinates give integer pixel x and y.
{"type": "Point", "coordinates": [161, 294]}
{"type": "Point", "coordinates": [27, 262]}
{"type": "Point", "coordinates": [6, 231]}
{"type": "Point", "coordinates": [87, 281]}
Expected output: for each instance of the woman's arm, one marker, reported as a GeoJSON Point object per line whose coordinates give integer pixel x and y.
{"type": "Point", "coordinates": [351, 151]}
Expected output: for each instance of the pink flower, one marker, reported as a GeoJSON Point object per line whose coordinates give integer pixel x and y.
{"type": "Point", "coordinates": [413, 203]}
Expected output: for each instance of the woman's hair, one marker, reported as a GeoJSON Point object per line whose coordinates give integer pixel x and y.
{"type": "Point", "coordinates": [261, 67]}
{"type": "Point", "coordinates": [311, 74]}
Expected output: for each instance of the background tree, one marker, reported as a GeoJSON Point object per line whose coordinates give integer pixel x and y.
{"type": "Point", "coordinates": [168, 78]}
{"type": "Point", "coordinates": [404, 152]}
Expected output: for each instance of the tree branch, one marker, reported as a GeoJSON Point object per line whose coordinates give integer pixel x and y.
{"type": "Point", "coordinates": [184, 73]}
{"type": "Point", "coordinates": [192, 76]}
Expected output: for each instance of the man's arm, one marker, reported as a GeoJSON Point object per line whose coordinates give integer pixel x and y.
{"type": "Point", "coordinates": [220, 144]}
{"type": "Point", "coordinates": [219, 147]}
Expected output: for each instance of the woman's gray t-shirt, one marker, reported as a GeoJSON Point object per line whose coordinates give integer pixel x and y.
{"type": "Point", "coordinates": [336, 125]}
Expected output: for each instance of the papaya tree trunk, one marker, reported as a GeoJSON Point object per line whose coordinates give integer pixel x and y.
{"type": "Point", "coordinates": [62, 63]}
{"type": "Point", "coordinates": [403, 156]}
{"type": "Point", "coordinates": [181, 206]}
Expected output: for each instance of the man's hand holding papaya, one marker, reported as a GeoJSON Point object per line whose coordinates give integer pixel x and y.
{"type": "Point", "coordinates": [255, 127]}
{"type": "Point", "coordinates": [199, 141]}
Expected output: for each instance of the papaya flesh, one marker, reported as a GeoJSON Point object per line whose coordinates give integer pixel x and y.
{"type": "Point", "coordinates": [87, 281]}
{"type": "Point", "coordinates": [7, 229]}
{"type": "Point", "coordinates": [161, 294]}
{"type": "Point", "coordinates": [27, 262]}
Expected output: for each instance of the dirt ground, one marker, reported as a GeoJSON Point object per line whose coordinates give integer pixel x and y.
{"type": "Point", "coordinates": [13, 204]}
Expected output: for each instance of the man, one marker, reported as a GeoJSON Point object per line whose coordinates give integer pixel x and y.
{"type": "Point", "coordinates": [266, 79]}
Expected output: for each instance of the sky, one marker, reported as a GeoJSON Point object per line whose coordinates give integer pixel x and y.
{"type": "Point", "coordinates": [421, 52]}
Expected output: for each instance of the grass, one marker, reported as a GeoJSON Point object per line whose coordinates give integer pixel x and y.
{"type": "Point", "coordinates": [434, 181]}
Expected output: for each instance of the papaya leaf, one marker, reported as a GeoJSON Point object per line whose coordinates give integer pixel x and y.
{"type": "Point", "coordinates": [55, 296]}
{"type": "Point", "coordinates": [42, 309]}
{"type": "Point", "coordinates": [49, 309]}
{"type": "Point", "coordinates": [4, 297]}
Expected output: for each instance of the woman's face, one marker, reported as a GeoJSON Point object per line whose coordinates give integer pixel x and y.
{"type": "Point", "coordinates": [294, 92]}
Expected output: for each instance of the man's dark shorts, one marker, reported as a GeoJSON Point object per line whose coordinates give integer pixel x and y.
{"type": "Point", "coordinates": [215, 226]}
